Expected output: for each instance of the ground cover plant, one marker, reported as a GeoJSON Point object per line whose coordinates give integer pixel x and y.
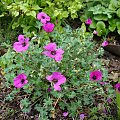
{"type": "Point", "coordinates": [55, 73]}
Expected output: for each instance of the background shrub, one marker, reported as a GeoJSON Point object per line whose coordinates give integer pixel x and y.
{"type": "Point", "coordinates": [24, 11]}
{"type": "Point", "coordinates": [105, 15]}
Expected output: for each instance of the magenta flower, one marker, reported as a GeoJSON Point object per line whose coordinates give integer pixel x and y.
{"type": "Point", "coordinates": [43, 17]}
{"type": "Point", "coordinates": [48, 27]}
{"type": "Point", "coordinates": [82, 116]}
{"type": "Point", "coordinates": [117, 86]}
{"type": "Point", "coordinates": [95, 32]}
{"type": "Point", "coordinates": [88, 21]}
{"type": "Point", "coordinates": [57, 78]}
{"type": "Point", "coordinates": [105, 43]}
{"type": "Point", "coordinates": [52, 52]}
{"type": "Point", "coordinates": [22, 44]}
{"type": "Point", "coordinates": [96, 75]}
{"type": "Point", "coordinates": [65, 114]}
{"type": "Point", "coordinates": [20, 80]}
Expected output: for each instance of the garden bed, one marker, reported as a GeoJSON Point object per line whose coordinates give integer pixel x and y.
{"type": "Point", "coordinates": [60, 60]}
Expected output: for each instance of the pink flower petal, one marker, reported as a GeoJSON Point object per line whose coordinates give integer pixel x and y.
{"type": "Point", "coordinates": [43, 21]}
{"type": "Point", "coordinates": [56, 75]}
{"type": "Point", "coordinates": [95, 32]}
{"type": "Point", "coordinates": [26, 81]}
{"type": "Point", "coordinates": [48, 54]}
{"type": "Point", "coordinates": [50, 47]}
{"type": "Point", "coordinates": [16, 81]}
{"type": "Point", "coordinates": [117, 86]}
{"type": "Point", "coordinates": [20, 80]}
{"type": "Point", "coordinates": [105, 43]}
{"type": "Point", "coordinates": [58, 58]}
{"type": "Point", "coordinates": [57, 87]}
{"type": "Point", "coordinates": [19, 48]}
{"type": "Point", "coordinates": [88, 21]}
{"type": "Point", "coordinates": [82, 116]}
{"type": "Point", "coordinates": [47, 18]}
{"type": "Point", "coordinates": [59, 51]}
{"type": "Point", "coordinates": [48, 27]}
{"type": "Point", "coordinates": [21, 38]}
{"type": "Point", "coordinates": [65, 114]}
{"type": "Point", "coordinates": [49, 77]}
{"type": "Point", "coordinates": [26, 40]}
{"type": "Point", "coordinates": [19, 85]}
{"type": "Point", "coordinates": [41, 15]}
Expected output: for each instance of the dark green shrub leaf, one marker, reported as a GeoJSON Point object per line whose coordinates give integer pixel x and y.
{"type": "Point", "coordinates": [101, 17]}
{"type": "Point", "coordinates": [118, 12]}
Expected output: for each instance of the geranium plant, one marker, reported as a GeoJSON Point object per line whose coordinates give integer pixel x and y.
{"type": "Point", "coordinates": [60, 72]}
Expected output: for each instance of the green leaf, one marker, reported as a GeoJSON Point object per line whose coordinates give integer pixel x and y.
{"type": "Point", "coordinates": [25, 102]}
{"type": "Point", "coordinates": [101, 28]}
{"type": "Point", "coordinates": [100, 24]}
{"type": "Point", "coordinates": [36, 7]}
{"type": "Point", "coordinates": [2, 15]}
{"type": "Point", "coordinates": [65, 14]}
{"type": "Point", "coordinates": [98, 9]}
{"type": "Point", "coordinates": [112, 28]}
{"type": "Point", "coordinates": [118, 12]}
{"type": "Point", "coordinates": [111, 7]}
{"type": "Point", "coordinates": [93, 25]}
{"type": "Point", "coordinates": [118, 25]}
{"type": "Point", "coordinates": [31, 13]}
{"type": "Point", "coordinates": [57, 13]}
{"type": "Point", "coordinates": [83, 18]}
{"type": "Point", "coordinates": [15, 25]}
{"type": "Point", "coordinates": [50, 4]}
{"type": "Point", "coordinates": [25, 29]}
{"type": "Point", "coordinates": [72, 94]}
{"type": "Point", "coordinates": [83, 27]}
{"type": "Point", "coordinates": [101, 17]}
{"type": "Point", "coordinates": [48, 101]}
{"type": "Point", "coordinates": [15, 13]}
{"type": "Point", "coordinates": [118, 31]}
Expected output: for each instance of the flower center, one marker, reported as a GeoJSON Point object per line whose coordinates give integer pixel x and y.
{"type": "Point", "coordinates": [94, 77]}
{"type": "Point", "coordinates": [24, 44]}
{"type": "Point", "coordinates": [55, 81]}
{"type": "Point", "coordinates": [53, 52]}
{"type": "Point", "coordinates": [43, 17]}
{"type": "Point", "coordinates": [22, 81]}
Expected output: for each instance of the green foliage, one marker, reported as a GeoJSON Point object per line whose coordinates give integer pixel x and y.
{"type": "Point", "coordinates": [24, 11]}
{"type": "Point", "coordinates": [79, 59]}
{"type": "Point", "coordinates": [105, 13]}
{"type": "Point", "coordinates": [25, 105]}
